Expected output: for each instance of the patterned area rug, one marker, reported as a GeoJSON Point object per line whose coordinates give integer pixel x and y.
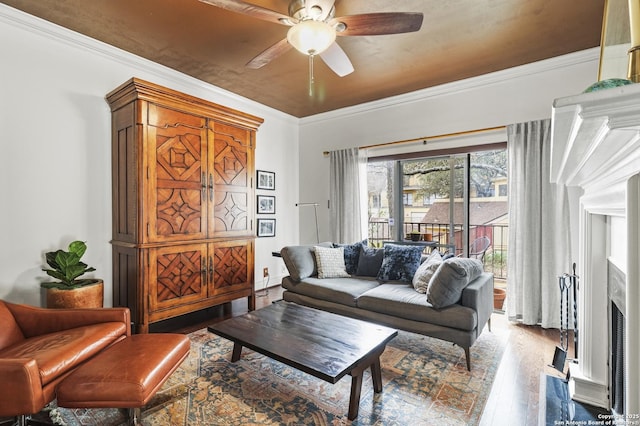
{"type": "Point", "coordinates": [425, 382]}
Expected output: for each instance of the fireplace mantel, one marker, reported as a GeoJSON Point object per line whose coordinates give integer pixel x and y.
{"type": "Point", "coordinates": [596, 147]}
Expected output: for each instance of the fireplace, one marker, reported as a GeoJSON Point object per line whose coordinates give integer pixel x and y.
{"type": "Point", "coordinates": [616, 283]}
{"type": "Point", "coordinates": [596, 155]}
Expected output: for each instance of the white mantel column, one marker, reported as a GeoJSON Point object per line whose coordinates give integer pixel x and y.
{"type": "Point", "coordinates": [588, 378]}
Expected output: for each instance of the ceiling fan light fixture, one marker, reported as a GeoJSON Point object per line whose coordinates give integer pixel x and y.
{"type": "Point", "coordinates": [311, 37]}
{"type": "Point", "coordinates": [315, 12]}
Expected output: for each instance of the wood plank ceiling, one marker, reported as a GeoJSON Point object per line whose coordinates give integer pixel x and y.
{"type": "Point", "coordinates": [459, 39]}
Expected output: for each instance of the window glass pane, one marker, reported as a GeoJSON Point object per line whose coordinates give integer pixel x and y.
{"type": "Point", "coordinates": [427, 184]}
{"type": "Point", "coordinates": [380, 201]}
{"type": "Point", "coordinates": [488, 173]}
{"type": "Point", "coordinates": [488, 209]}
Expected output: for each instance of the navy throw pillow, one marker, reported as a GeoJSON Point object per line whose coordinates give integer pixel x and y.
{"type": "Point", "coordinates": [351, 255]}
{"type": "Point", "coordinates": [369, 261]}
{"type": "Point", "coordinates": [400, 262]}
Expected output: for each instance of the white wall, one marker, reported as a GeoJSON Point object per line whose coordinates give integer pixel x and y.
{"type": "Point", "coordinates": [511, 96]}
{"type": "Point", "coordinates": [55, 160]}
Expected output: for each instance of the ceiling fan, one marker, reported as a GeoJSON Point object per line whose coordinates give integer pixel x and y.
{"type": "Point", "coordinates": [314, 28]}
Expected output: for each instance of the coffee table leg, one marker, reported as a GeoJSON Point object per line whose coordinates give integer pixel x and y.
{"type": "Point", "coordinates": [376, 376]}
{"type": "Point", "coordinates": [237, 350]}
{"type": "Point", "coordinates": [356, 384]}
{"type": "Point", "coordinates": [354, 399]}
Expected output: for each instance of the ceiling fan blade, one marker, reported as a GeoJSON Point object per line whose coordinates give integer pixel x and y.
{"type": "Point", "coordinates": [252, 10]}
{"type": "Point", "coordinates": [269, 54]}
{"type": "Point", "coordinates": [378, 23]}
{"type": "Point", "coordinates": [337, 60]}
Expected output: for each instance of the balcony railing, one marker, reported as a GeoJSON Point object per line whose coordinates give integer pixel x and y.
{"type": "Point", "coordinates": [495, 258]}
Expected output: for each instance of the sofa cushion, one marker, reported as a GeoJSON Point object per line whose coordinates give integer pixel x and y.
{"type": "Point", "coordinates": [351, 255]}
{"type": "Point", "coordinates": [339, 290]}
{"type": "Point", "coordinates": [401, 300]}
{"type": "Point", "coordinates": [369, 261]}
{"type": "Point", "coordinates": [453, 275]}
{"type": "Point", "coordinates": [330, 262]}
{"type": "Point", "coordinates": [59, 352]}
{"type": "Point", "coordinates": [425, 271]}
{"type": "Point", "coordinates": [399, 262]}
{"type": "Point", "coordinates": [300, 261]}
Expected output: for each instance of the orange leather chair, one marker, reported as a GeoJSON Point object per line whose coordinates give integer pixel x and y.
{"type": "Point", "coordinates": [40, 347]}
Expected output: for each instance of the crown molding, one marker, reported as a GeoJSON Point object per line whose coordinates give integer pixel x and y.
{"type": "Point", "coordinates": [57, 33]}
{"type": "Point", "coordinates": [460, 86]}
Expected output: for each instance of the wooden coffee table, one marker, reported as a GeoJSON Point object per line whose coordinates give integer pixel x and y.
{"type": "Point", "coordinates": [322, 344]}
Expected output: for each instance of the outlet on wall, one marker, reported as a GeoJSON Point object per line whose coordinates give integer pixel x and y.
{"type": "Point", "coordinates": [265, 272]}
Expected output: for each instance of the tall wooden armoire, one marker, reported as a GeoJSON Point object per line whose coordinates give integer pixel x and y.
{"type": "Point", "coordinates": [183, 202]}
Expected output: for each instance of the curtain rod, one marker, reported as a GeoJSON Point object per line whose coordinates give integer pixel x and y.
{"type": "Point", "coordinates": [428, 138]}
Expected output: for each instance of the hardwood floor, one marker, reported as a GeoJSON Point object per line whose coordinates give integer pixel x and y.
{"type": "Point", "coordinates": [514, 397]}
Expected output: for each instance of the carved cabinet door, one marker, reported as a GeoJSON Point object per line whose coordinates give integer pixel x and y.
{"type": "Point", "coordinates": [176, 175]}
{"type": "Point", "coordinates": [178, 275]}
{"type": "Point", "coordinates": [232, 266]}
{"type": "Point", "coordinates": [232, 171]}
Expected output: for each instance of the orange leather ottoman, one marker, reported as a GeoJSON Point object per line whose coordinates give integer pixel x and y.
{"type": "Point", "coordinates": [125, 375]}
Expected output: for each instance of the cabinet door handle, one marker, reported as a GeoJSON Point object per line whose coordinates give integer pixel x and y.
{"type": "Point", "coordinates": [210, 269]}
{"type": "Point", "coordinates": [204, 185]}
{"type": "Point", "coordinates": [210, 187]}
{"type": "Point", "coordinates": [203, 271]}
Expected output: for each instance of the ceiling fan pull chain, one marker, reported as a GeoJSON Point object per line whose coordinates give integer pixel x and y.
{"type": "Point", "coordinates": [310, 75]}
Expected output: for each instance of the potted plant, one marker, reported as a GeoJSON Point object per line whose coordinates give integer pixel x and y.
{"type": "Point", "coordinates": [499, 294]}
{"type": "Point", "coordinates": [415, 235]}
{"type": "Point", "coordinates": [71, 290]}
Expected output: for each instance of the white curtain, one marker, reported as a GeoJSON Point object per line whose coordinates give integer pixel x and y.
{"type": "Point", "coordinates": [346, 196]}
{"type": "Point", "coordinates": [539, 239]}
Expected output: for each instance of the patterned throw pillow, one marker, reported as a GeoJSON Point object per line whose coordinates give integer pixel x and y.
{"type": "Point", "coordinates": [426, 270]}
{"type": "Point", "coordinates": [400, 262]}
{"type": "Point", "coordinates": [330, 262]}
{"type": "Point", "coordinates": [351, 255]}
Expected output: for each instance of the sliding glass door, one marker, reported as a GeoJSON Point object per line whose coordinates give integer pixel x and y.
{"type": "Point", "coordinates": [434, 199]}
{"type": "Point", "coordinates": [452, 199]}
{"type": "Point", "coordinates": [381, 202]}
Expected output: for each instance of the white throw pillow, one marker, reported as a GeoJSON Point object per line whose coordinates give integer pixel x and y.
{"type": "Point", "coordinates": [425, 271]}
{"type": "Point", "coordinates": [330, 262]}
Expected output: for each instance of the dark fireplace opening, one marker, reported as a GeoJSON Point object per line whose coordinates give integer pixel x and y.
{"type": "Point", "coordinates": [617, 360]}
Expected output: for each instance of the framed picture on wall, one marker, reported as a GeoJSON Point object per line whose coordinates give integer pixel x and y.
{"type": "Point", "coordinates": [266, 227]}
{"type": "Point", "coordinates": [266, 204]}
{"type": "Point", "coordinates": [266, 180]}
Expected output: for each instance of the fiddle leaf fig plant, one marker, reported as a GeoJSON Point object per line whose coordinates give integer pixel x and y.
{"type": "Point", "coordinates": [67, 268]}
